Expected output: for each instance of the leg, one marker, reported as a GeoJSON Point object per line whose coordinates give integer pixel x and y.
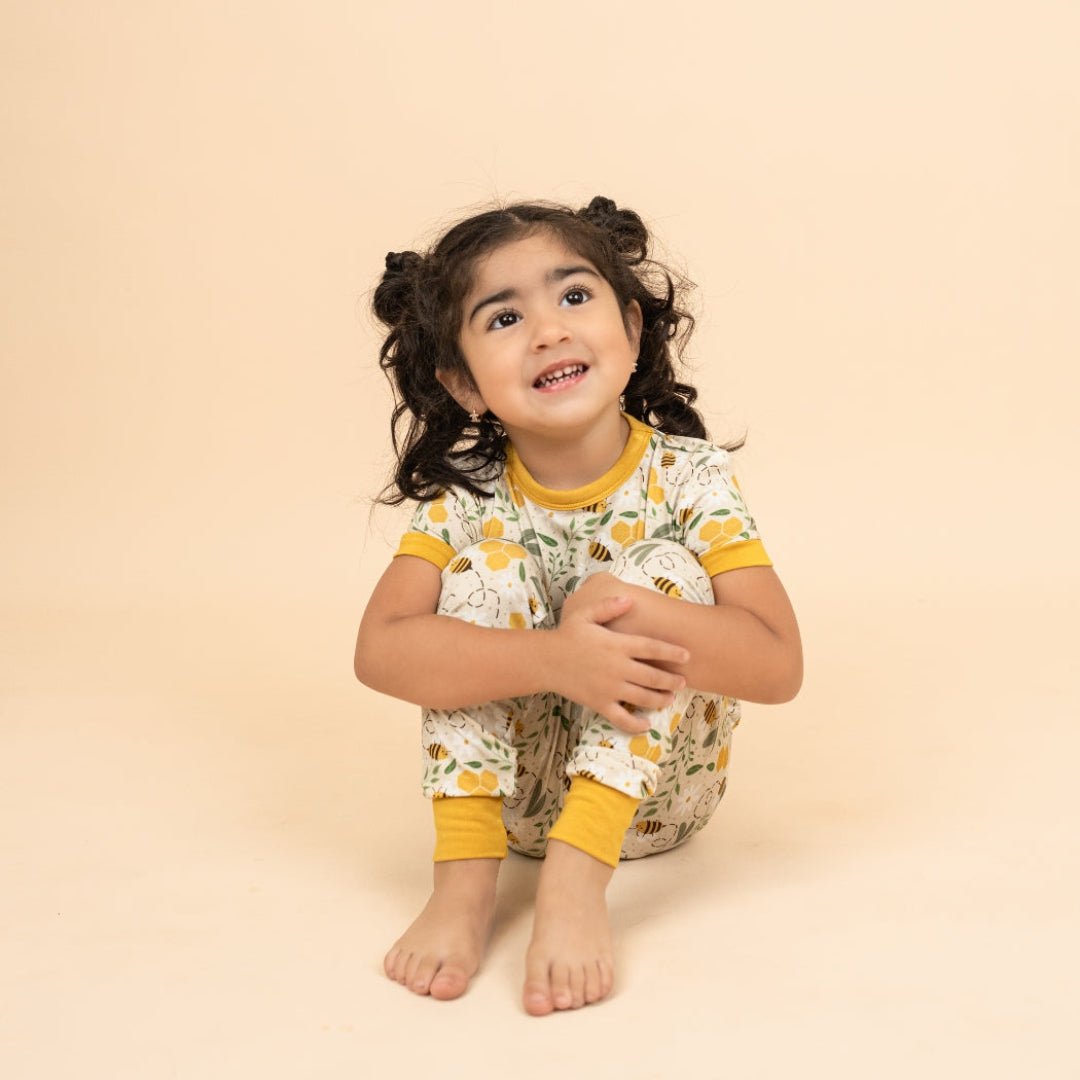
{"type": "Point", "coordinates": [469, 767]}
{"type": "Point", "coordinates": [680, 764]}
{"type": "Point", "coordinates": [615, 780]}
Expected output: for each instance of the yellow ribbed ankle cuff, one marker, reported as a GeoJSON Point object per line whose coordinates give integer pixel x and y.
{"type": "Point", "coordinates": [594, 819]}
{"type": "Point", "coordinates": [469, 827]}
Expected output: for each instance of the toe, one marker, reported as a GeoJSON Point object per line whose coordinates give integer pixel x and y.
{"type": "Point", "coordinates": [421, 975]}
{"type": "Point", "coordinates": [449, 982]}
{"type": "Point", "coordinates": [592, 983]}
{"type": "Point", "coordinates": [577, 986]}
{"type": "Point", "coordinates": [537, 995]}
{"type": "Point", "coordinates": [391, 964]}
{"type": "Point", "coordinates": [562, 994]}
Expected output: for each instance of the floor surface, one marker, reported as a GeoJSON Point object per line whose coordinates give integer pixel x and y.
{"type": "Point", "coordinates": [215, 834]}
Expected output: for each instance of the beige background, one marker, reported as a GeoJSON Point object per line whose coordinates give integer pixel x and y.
{"type": "Point", "coordinates": [210, 832]}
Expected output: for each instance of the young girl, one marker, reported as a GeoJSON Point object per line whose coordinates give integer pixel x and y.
{"type": "Point", "coordinates": [582, 594]}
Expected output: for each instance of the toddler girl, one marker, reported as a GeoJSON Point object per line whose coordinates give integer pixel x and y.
{"type": "Point", "coordinates": [581, 596]}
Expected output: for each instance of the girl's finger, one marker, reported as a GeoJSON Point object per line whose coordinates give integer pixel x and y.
{"type": "Point", "coordinates": [644, 648]}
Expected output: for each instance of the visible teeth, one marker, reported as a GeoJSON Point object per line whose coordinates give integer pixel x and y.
{"type": "Point", "coordinates": [558, 376]}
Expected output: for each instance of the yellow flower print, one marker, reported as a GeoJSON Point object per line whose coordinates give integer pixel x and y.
{"type": "Point", "coordinates": [642, 746]}
{"type": "Point", "coordinates": [729, 527]}
{"type": "Point", "coordinates": [484, 784]}
{"type": "Point", "coordinates": [722, 759]}
{"type": "Point", "coordinates": [500, 552]}
{"type": "Point", "coordinates": [437, 511]}
{"type": "Point", "coordinates": [626, 534]}
{"type": "Point", "coordinates": [493, 528]}
{"type": "Point", "coordinates": [656, 492]}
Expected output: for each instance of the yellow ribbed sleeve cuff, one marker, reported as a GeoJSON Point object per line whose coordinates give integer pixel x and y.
{"type": "Point", "coordinates": [734, 556]}
{"type": "Point", "coordinates": [469, 827]}
{"type": "Point", "coordinates": [594, 819]}
{"type": "Point", "coordinates": [424, 546]}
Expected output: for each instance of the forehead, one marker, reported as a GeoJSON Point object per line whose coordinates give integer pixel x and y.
{"type": "Point", "coordinates": [521, 262]}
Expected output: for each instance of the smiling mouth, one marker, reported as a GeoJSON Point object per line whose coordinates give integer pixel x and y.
{"type": "Point", "coordinates": [560, 375]}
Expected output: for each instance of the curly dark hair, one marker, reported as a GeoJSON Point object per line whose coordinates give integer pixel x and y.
{"type": "Point", "coordinates": [420, 299]}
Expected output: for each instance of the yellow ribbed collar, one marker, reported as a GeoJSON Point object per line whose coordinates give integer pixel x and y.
{"type": "Point", "coordinates": [606, 485]}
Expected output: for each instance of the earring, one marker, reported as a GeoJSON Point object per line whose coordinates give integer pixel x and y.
{"type": "Point", "coordinates": [474, 417]}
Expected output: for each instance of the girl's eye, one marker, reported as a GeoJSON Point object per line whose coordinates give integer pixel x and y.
{"type": "Point", "coordinates": [503, 320]}
{"type": "Point", "coordinates": [575, 296]}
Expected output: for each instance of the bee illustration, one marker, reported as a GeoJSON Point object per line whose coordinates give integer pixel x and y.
{"type": "Point", "coordinates": [437, 751]}
{"type": "Point", "coordinates": [668, 587]}
{"type": "Point", "coordinates": [596, 507]}
{"type": "Point", "coordinates": [599, 552]}
{"type": "Point", "coordinates": [667, 460]}
{"type": "Point", "coordinates": [710, 712]}
{"type": "Point", "coordinates": [649, 827]}
{"type": "Point", "coordinates": [586, 775]}
{"type": "Point", "coordinates": [519, 772]}
{"type": "Point", "coordinates": [460, 564]}
{"type": "Point", "coordinates": [438, 794]}
{"type": "Point", "coordinates": [684, 515]}
{"type": "Point", "coordinates": [512, 839]}
{"type": "Point", "coordinates": [533, 605]}
{"type": "Point", "coordinates": [606, 743]}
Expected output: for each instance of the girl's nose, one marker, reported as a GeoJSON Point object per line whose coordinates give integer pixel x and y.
{"type": "Point", "coordinates": [549, 329]}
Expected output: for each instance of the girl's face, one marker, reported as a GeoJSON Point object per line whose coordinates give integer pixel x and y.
{"type": "Point", "coordinates": [546, 342]}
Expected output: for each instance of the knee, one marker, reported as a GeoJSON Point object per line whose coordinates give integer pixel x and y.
{"type": "Point", "coordinates": [666, 567]}
{"type": "Point", "coordinates": [493, 583]}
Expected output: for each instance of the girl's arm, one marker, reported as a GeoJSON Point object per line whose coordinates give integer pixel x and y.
{"type": "Point", "coordinates": [407, 651]}
{"type": "Point", "coordinates": [746, 646]}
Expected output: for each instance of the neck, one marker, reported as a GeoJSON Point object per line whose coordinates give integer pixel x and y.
{"type": "Point", "coordinates": [564, 463]}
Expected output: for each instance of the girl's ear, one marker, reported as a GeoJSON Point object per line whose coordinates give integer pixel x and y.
{"type": "Point", "coordinates": [633, 320]}
{"type": "Point", "coordinates": [459, 386]}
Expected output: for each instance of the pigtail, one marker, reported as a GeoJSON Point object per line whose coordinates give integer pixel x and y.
{"type": "Point", "coordinates": [428, 429]}
{"type": "Point", "coordinates": [624, 228]}
{"type": "Point", "coordinates": [654, 394]}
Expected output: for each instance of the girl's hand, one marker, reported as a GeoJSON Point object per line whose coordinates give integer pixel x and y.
{"type": "Point", "coordinates": [604, 669]}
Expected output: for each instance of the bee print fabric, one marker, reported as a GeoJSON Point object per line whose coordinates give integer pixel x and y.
{"type": "Point", "coordinates": [525, 750]}
{"type": "Point", "coordinates": [661, 488]}
{"type": "Point", "coordinates": [668, 516]}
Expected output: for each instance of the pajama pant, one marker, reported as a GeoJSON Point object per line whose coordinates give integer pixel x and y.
{"type": "Point", "coordinates": [522, 756]}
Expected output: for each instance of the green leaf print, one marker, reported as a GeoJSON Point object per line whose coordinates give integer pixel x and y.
{"type": "Point", "coordinates": [606, 518]}
{"type": "Point", "coordinates": [693, 524]}
{"type": "Point", "coordinates": [649, 813]}
{"type": "Point", "coordinates": [720, 513]}
{"type": "Point", "coordinates": [709, 739]}
{"type": "Point", "coordinates": [548, 540]}
{"type": "Point", "coordinates": [693, 769]}
{"type": "Point", "coordinates": [474, 764]}
{"type": "Point", "coordinates": [536, 800]}
{"type": "Point", "coordinates": [521, 569]}
{"type": "Point", "coordinates": [450, 767]}
{"type": "Point", "coordinates": [629, 514]}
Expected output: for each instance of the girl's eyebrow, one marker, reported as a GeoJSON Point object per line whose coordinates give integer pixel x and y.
{"type": "Point", "coordinates": [560, 273]}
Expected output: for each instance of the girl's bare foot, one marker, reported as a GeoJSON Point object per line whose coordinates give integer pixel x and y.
{"type": "Point", "coordinates": [570, 961]}
{"type": "Point", "coordinates": [441, 951]}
